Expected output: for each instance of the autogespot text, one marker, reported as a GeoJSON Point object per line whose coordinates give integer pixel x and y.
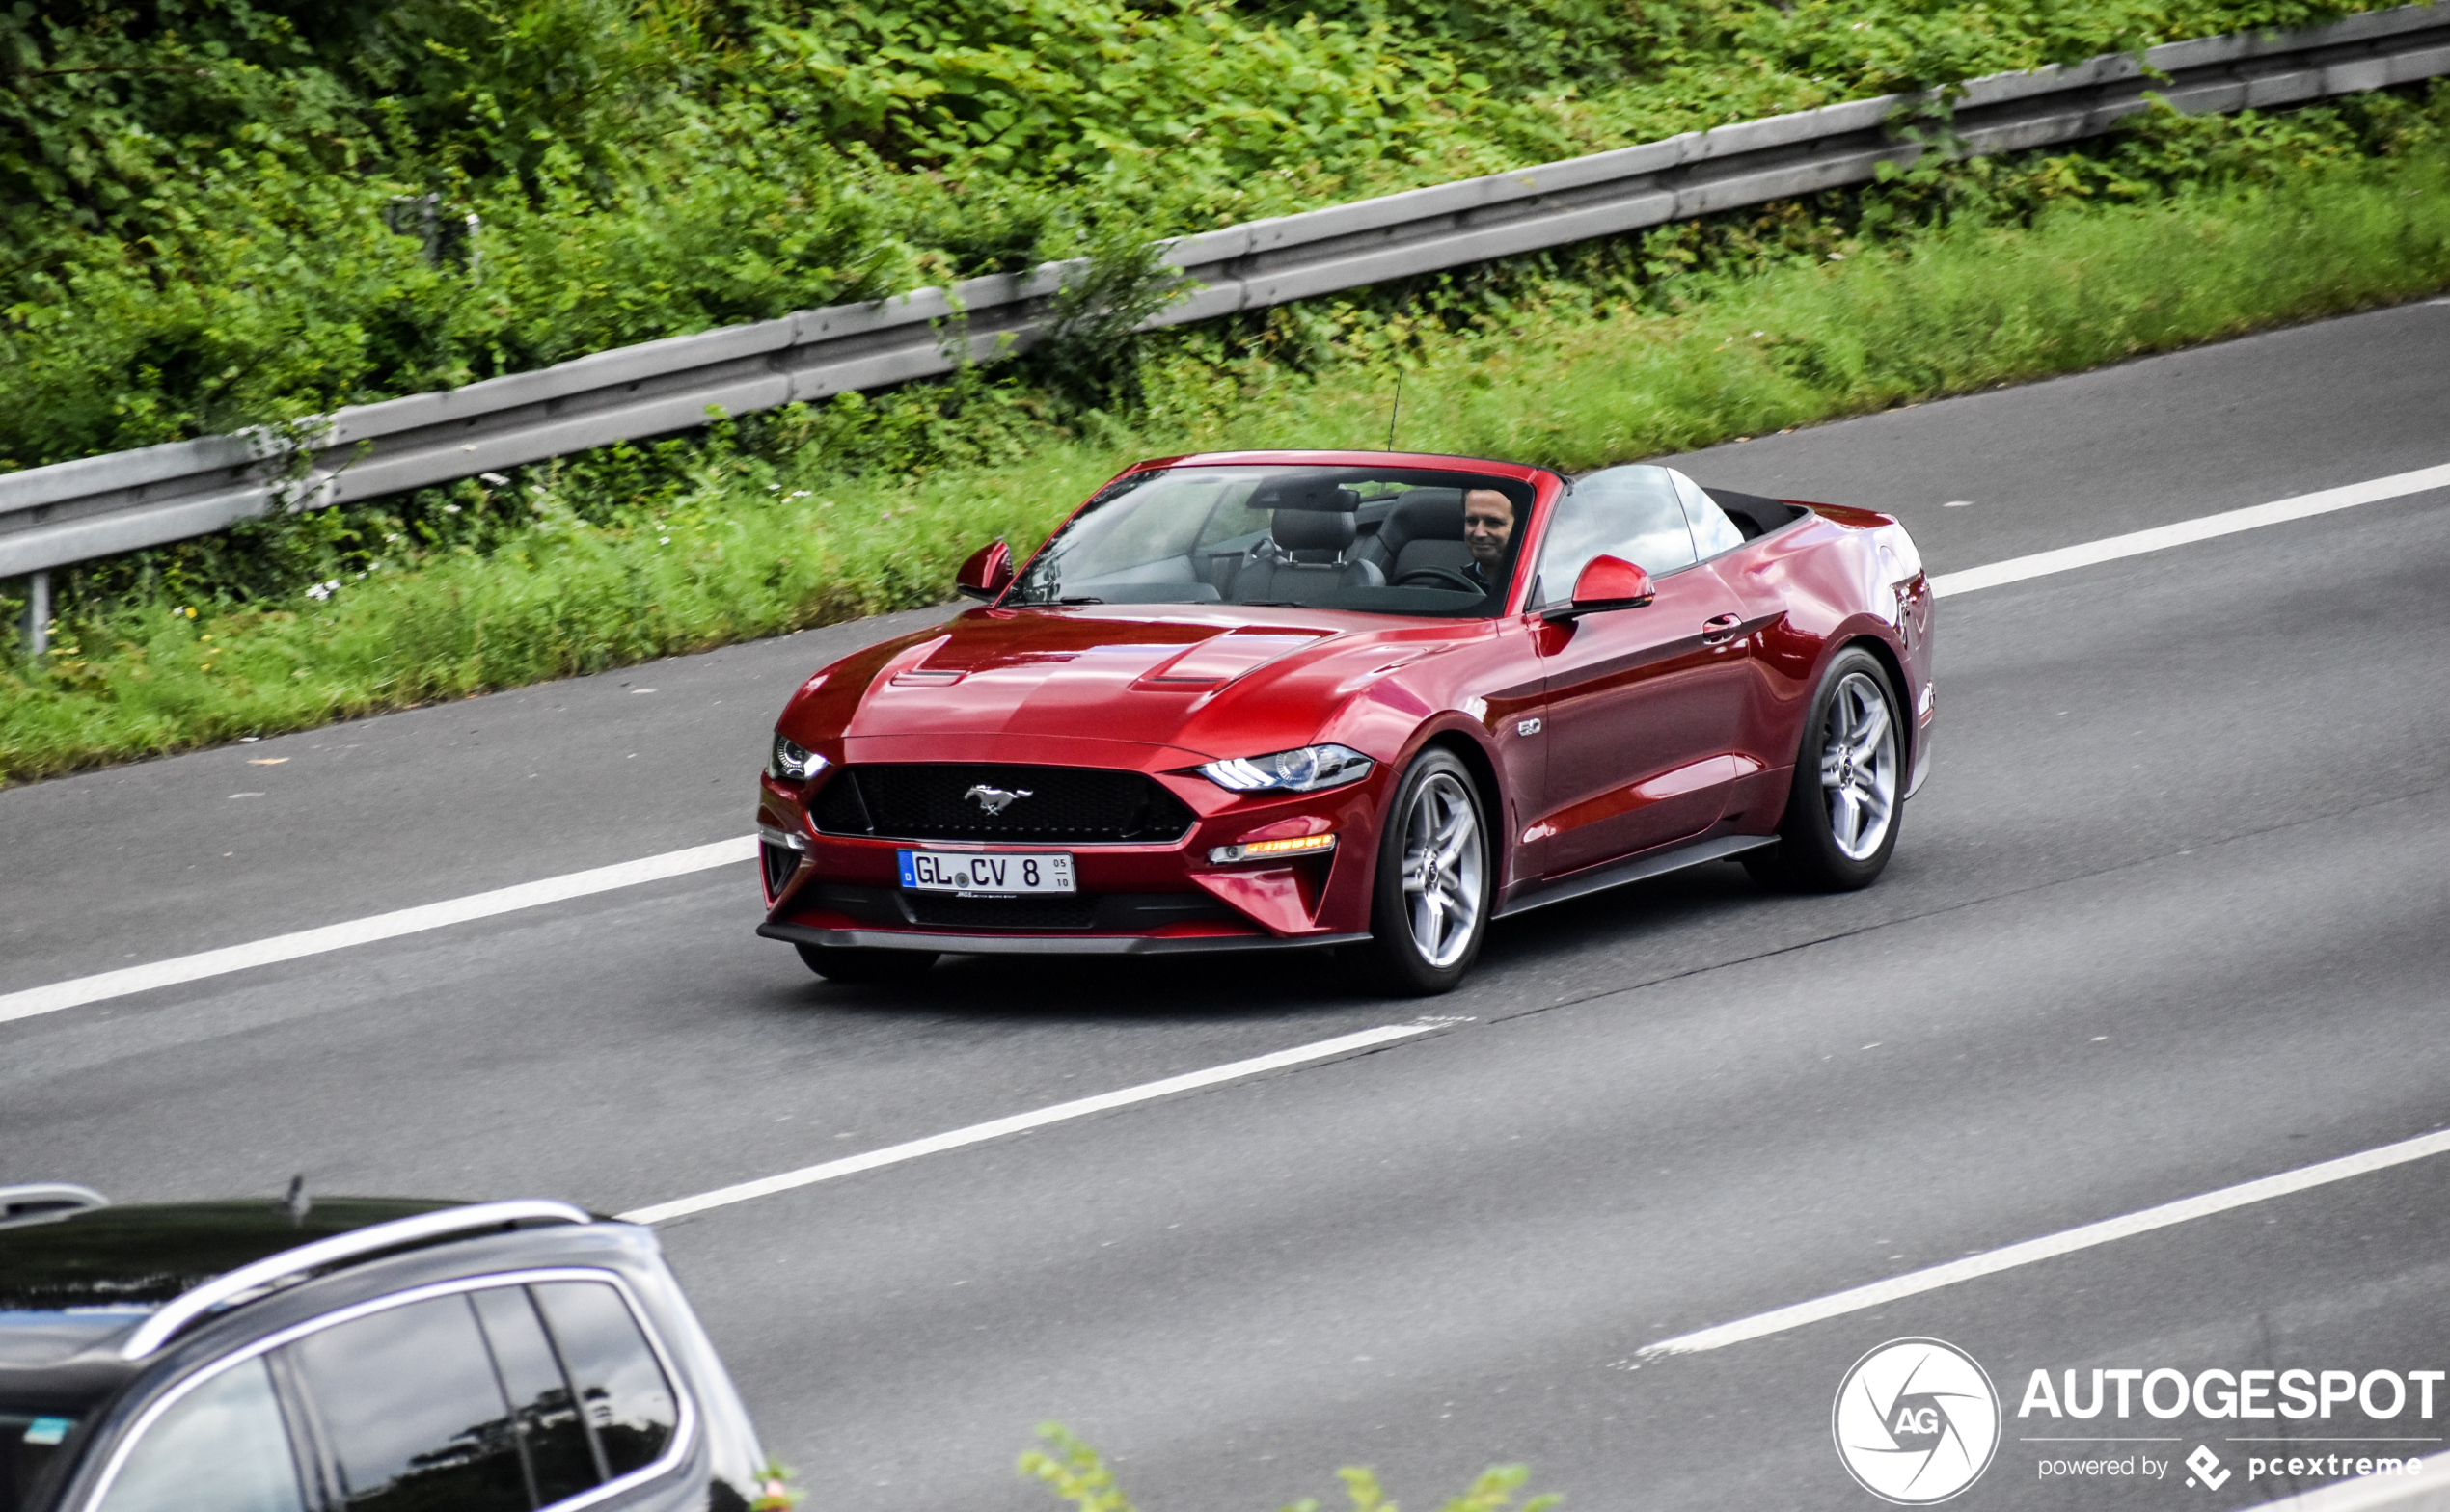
{"type": "Point", "coordinates": [2396, 1406]}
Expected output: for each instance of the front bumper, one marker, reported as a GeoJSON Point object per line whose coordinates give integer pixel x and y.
{"type": "Point", "coordinates": [834, 889]}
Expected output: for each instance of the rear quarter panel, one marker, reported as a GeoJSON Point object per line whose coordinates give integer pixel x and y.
{"type": "Point", "coordinates": [1806, 592]}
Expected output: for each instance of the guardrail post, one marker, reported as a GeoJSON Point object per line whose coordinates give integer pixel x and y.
{"type": "Point", "coordinates": [38, 613]}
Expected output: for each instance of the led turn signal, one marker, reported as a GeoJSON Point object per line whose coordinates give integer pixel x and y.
{"type": "Point", "coordinates": [1257, 850]}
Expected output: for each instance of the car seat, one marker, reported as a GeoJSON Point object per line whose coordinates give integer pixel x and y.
{"type": "Point", "coordinates": [1424, 530]}
{"type": "Point", "coordinates": [1304, 559]}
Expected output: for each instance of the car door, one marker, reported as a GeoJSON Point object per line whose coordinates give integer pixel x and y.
{"type": "Point", "coordinates": [1640, 704]}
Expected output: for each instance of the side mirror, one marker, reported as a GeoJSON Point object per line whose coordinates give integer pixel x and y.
{"type": "Point", "coordinates": [1607, 582]}
{"type": "Point", "coordinates": [988, 573]}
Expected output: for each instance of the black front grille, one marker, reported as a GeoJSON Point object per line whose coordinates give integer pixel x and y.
{"type": "Point", "coordinates": [929, 801]}
{"type": "Point", "coordinates": [1108, 913]}
{"type": "Point", "coordinates": [939, 910]}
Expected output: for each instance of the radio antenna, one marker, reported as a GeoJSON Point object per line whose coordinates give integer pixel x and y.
{"type": "Point", "coordinates": [1395, 410]}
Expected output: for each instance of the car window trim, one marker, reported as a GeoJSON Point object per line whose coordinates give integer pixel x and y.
{"type": "Point", "coordinates": [684, 1431]}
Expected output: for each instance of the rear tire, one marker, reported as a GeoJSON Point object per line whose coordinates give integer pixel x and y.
{"type": "Point", "coordinates": [1844, 812]}
{"type": "Point", "coordinates": [1430, 906]}
{"type": "Point", "coordinates": [851, 963]}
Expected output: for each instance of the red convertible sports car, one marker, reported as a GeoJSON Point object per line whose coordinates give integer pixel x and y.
{"type": "Point", "coordinates": [1376, 700]}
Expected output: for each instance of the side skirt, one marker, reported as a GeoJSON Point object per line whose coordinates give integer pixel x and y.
{"type": "Point", "coordinates": [1658, 864]}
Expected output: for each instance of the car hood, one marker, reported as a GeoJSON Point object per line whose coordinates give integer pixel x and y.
{"type": "Point", "coordinates": [1207, 683]}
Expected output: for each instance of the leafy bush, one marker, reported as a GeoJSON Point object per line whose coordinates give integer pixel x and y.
{"type": "Point", "coordinates": [1077, 1474]}
{"type": "Point", "coordinates": [219, 213]}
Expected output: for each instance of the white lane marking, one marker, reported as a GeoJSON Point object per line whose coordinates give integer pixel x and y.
{"type": "Point", "coordinates": [2049, 1247]}
{"type": "Point", "coordinates": [553, 889]}
{"type": "Point", "coordinates": [2185, 532]}
{"type": "Point", "coordinates": [35, 1001]}
{"type": "Point", "coordinates": [997, 1128]}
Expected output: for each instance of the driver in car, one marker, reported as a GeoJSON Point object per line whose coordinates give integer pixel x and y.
{"type": "Point", "coordinates": [1489, 527]}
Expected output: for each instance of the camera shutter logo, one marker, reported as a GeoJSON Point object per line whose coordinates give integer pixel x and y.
{"type": "Point", "coordinates": [1917, 1420]}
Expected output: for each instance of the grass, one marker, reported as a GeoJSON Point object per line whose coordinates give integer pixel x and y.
{"type": "Point", "coordinates": [749, 544]}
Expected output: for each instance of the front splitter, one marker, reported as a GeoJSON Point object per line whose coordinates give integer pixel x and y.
{"type": "Point", "coordinates": [1042, 944]}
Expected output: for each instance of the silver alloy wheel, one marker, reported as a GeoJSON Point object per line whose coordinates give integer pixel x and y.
{"type": "Point", "coordinates": [1442, 861]}
{"type": "Point", "coordinates": [1859, 766]}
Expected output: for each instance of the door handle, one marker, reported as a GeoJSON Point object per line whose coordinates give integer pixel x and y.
{"type": "Point", "coordinates": [1717, 630]}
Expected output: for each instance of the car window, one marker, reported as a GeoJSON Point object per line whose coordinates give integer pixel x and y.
{"type": "Point", "coordinates": [1233, 517]}
{"type": "Point", "coordinates": [1629, 512]}
{"type": "Point", "coordinates": [1713, 531]}
{"type": "Point", "coordinates": [221, 1447]}
{"type": "Point", "coordinates": [1300, 534]}
{"type": "Point", "coordinates": [621, 1388]}
{"type": "Point", "coordinates": [412, 1412]}
{"type": "Point", "coordinates": [561, 1455]}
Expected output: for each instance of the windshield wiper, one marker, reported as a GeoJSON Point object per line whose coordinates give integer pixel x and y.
{"type": "Point", "coordinates": [1081, 599]}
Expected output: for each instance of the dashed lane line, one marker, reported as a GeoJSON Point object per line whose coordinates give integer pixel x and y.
{"type": "Point", "coordinates": [1881, 1293]}
{"type": "Point", "coordinates": [1021, 1122]}
{"type": "Point", "coordinates": [79, 990]}
{"type": "Point", "coordinates": [2185, 532]}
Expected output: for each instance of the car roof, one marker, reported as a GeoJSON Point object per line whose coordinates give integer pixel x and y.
{"type": "Point", "coordinates": [148, 1254]}
{"type": "Point", "coordinates": [70, 1280]}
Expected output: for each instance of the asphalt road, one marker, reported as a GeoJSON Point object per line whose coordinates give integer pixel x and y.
{"type": "Point", "coordinates": [2170, 916]}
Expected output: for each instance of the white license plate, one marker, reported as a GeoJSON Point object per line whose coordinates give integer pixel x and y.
{"type": "Point", "coordinates": [953, 872]}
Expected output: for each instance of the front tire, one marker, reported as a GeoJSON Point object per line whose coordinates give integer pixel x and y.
{"type": "Point", "coordinates": [851, 963]}
{"type": "Point", "coordinates": [1849, 794]}
{"type": "Point", "coordinates": [1430, 906]}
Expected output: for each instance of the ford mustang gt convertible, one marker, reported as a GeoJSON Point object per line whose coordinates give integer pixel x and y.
{"type": "Point", "coordinates": [1369, 700]}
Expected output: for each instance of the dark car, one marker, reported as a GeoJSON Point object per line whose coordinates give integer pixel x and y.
{"type": "Point", "coordinates": [372, 1355]}
{"type": "Point", "coordinates": [1260, 700]}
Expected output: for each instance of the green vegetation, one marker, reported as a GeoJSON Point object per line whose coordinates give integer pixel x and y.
{"type": "Point", "coordinates": [1945, 282]}
{"type": "Point", "coordinates": [221, 212]}
{"type": "Point", "coordinates": [1077, 1474]}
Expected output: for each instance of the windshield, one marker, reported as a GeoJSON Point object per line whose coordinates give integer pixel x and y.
{"type": "Point", "coordinates": [1383, 540]}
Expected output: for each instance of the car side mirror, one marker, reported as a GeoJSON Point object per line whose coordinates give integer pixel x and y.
{"type": "Point", "coordinates": [1606, 583]}
{"type": "Point", "coordinates": [988, 573]}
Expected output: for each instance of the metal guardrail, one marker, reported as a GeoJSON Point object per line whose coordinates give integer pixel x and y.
{"type": "Point", "coordinates": [75, 511]}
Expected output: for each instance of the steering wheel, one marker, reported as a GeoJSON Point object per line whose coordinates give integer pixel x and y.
{"type": "Point", "coordinates": [1444, 577]}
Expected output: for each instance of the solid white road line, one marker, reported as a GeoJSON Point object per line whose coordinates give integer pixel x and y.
{"type": "Point", "coordinates": [997, 1128]}
{"type": "Point", "coordinates": [2050, 1246]}
{"type": "Point", "coordinates": [381, 927]}
{"type": "Point", "coordinates": [58, 995]}
{"type": "Point", "coordinates": [2187, 531]}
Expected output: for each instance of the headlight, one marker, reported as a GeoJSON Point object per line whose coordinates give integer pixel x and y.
{"type": "Point", "coordinates": [792, 764]}
{"type": "Point", "coordinates": [1305, 770]}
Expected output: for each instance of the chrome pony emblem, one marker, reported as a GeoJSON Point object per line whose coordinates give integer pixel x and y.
{"type": "Point", "coordinates": [995, 800]}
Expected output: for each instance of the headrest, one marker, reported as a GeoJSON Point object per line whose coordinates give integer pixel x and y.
{"type": "Point", "coordinates": [1311, 530]}
{"type": "Point", "coordinates": [1425, 514]}
{"type": "Point", "coordinates": [1304, 493]}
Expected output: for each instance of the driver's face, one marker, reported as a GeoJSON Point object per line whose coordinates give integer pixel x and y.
{"type": "Point", "coordinates": [1488, 523]}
